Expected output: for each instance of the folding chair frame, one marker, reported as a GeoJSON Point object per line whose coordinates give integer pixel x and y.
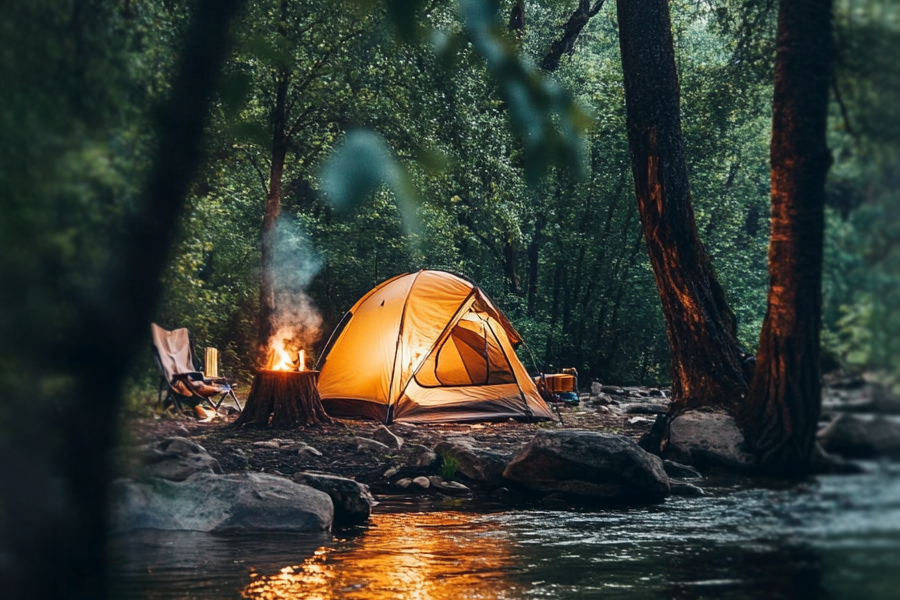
{"type": "Point", "coordinates": [177, 398]}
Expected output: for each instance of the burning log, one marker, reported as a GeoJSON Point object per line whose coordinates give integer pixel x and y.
{"type": "Point", "coordinates": [290, 397]}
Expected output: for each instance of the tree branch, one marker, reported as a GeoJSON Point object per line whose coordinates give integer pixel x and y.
{"type": "Point", "coordinates": [571, 31]}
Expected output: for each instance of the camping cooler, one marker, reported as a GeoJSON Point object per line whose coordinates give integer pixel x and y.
{"type": "Point", "coordinates": [560, 382]}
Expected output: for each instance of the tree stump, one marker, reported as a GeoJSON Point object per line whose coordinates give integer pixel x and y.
{"type": "Point", "coordinates": [290, 397]}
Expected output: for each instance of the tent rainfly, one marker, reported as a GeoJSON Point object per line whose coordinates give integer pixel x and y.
{"type": "Point", "coordinates": [427, 347]}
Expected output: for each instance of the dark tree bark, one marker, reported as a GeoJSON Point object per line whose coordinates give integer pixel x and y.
{"type": "Point", "coordinates": [705, 364]}
{"type": "Point", "coordinates": [511, 267]}
{"type": "Point", "coordinates": [55, 530]}
{"type": "Point", "coordinates": [785, 393]}
{"type": "Point", "coordinates": [534, 249]}
{"type": "Point", "coordinates": [290, 397]}
{"type": "Point", "coordinates": [517, 17]}
{"type": "Point", "coordinates": [571, 30]}
{"type": "Point", "coordinates": [269, 233]}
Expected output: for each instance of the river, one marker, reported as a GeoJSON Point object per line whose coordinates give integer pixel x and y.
{"type": "Point", "coordinates": [826, 538]}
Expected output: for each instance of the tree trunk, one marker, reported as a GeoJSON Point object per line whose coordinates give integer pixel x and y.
{"type": "Point", "coordinates": [291, 398]}
{"type": "Point", "coordinates": [534, 249]}
{"type": "Point", "coordinates": [705, 363]}
{"type": "Point", "coordinates": [510, 267]}
{"type": "Point", "coordinates": [269, 233]}
{"type": "Point", "coordinates": [785, 393]}
{"type": "Point", "coordinates": [571, 30]}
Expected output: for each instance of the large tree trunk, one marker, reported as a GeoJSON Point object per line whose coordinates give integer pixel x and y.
{"type": "Point", "coordinates": [785, 393]}
{"type": "Point", "coordinates": [269, 234]}
{"type": "Point", "coordinates": [706, 367]}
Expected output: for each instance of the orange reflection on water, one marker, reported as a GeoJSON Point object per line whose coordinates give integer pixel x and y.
{"type": "Point", "coordinates": [415, 556]}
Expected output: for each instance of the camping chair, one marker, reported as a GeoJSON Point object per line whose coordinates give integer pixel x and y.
{"type": "Point", "coordinates": [181, 380]}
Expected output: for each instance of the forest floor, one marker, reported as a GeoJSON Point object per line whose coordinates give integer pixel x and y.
{"type": "Point", "coordinates": [629, 411]}
{"type": "Point", "coordinates": [282, 451]}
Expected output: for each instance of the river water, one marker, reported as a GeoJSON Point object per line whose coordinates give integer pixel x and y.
{"type": "Point", "coordinates": [826, 538]}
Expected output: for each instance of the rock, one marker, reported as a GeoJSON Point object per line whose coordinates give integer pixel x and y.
{"type": "Point", "coordinates": [555, 500]}
{"type": "Point", "coordinates": [858, 436]}
{"type": "Point", "coordinates": [645, 409]}
{"type": "Point", "coordinates": [366, 445]}
{"type": "Point", "coordinates": [708, 438]}
{"type": "Point", "coordinates": [176, 459]}
{"type": "Point", "coordinates": [352, 500]}
{"type": "Point", "coordinates": [600, 400]}
{"type": "Point", "coordinates": [831, 464]}
{"type": "Point", "coordinates": [655, 393]}
{"type": "Point", "coordinates": [404, 483]}
{"type": "Point", "coordinates": [611, 389]}
{"type": "Point", "coordinates": [422, 482]}
{"type": "Point", "coordinates": [420, 456]}
{"type": "Point", "coordinates": [476, 464]}
{"type": "Point", "coordinates": [387, 437]}
{"type": "Point", "coordinates": [596, 388]}
{"type": "Point", "coordinates": [680, 471]}
{"type": "Point", "coordinates": [683, 488]}
{"type": "Point", "coordinates": [451, 488]}
{"type": "Point", "coordinates": [243, 502]}
{"type": "Point", "coordinates": [305, 450]}
{"type": "Point", "coordinates": [268, 444]}
{"type": "Point", "coordinates": [600, 466]}
{"type": "Point", "coordinates": [391, 472]}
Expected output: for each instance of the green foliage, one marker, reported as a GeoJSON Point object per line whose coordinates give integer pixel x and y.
{"type": "Point", "coordinates": [449, 467]}
{"type": "Point", "coordinates": [447, 149]}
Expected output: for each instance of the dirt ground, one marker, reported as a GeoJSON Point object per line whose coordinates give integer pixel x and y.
{"type": "Point", "coordinates": [254, 449]}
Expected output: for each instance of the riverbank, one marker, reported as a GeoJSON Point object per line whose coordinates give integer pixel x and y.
{"type": "Point", "coordinates": [337, 448]}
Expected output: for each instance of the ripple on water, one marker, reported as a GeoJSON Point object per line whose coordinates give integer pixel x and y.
{"type": "Point", "coordinates": [833, 537]}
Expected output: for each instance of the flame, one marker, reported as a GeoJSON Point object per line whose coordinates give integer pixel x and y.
{"type": "Point", "coordinates": [283, 361]}
{"type": "Point", "coordinates": [283, 352]}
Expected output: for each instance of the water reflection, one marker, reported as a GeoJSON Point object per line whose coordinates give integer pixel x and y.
{"type": "Point", "coordinates": [416, 556]}
{"type": "Point", "coordinates": [834, 537]}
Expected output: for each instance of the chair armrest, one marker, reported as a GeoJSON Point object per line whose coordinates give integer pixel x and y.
{"type": "Point", "coordinates": [190, 376]}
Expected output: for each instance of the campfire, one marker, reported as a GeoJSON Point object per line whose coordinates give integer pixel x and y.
{"type": "Point", "coordinates": [280, 359]}
{"type": "Point", "coordinates": [285, 394]}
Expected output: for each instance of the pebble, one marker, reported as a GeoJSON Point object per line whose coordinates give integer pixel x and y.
{"type": "Point", "coordinates": [268, 444]}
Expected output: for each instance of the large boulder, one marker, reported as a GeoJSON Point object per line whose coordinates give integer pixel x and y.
{"type": "Point", "coordinates": [599, 466]}
{"type": "Point", "coordinates": [859, 436]}
{"type": "Point", "coordinates": [478, 465]}
{"type": "Point", "coordinates": [176, 459]}
{"type": "Point", "coordinates": [708, 438]}
{"type": "Point", "coordinates": [244, 502]}
{"type": "Point", "coordinates": [352, 500]}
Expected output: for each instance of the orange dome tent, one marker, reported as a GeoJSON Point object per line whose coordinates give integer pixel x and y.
{"type": "Point", "coordinates": [427, 347]}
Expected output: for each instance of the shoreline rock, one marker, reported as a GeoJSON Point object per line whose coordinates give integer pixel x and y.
{"type": "Point", "coordinates": [697, 437]}
{"type": "Point", "coordinates": [352, 501]}
{"type": "Point", "coordinates": [246, 502]}
{"type": "Point", "coordinates": [589, 464]}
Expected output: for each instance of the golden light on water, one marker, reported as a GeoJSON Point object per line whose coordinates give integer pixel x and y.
{"type": "Point", "coordinates": [415, 560]}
